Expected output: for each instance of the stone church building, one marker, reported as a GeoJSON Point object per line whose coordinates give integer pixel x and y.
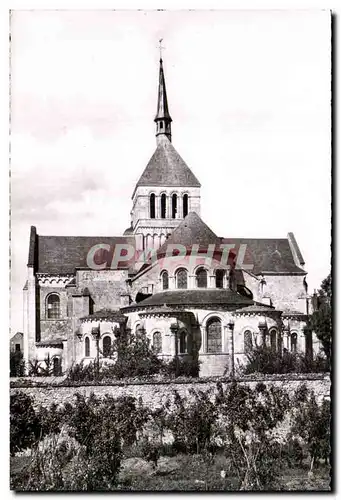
{"type": "Point", "coordinates": [193, 292]}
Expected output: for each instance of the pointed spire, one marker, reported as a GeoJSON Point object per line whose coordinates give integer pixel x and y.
{"type": "Point", "coordinates": [162, 119]}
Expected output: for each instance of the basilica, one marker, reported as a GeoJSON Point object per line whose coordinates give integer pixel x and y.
{"type": "Point", "coordinates": [194, 293]}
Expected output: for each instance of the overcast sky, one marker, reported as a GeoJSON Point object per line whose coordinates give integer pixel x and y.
{"type": "Point", "coordinates": [249, 94]}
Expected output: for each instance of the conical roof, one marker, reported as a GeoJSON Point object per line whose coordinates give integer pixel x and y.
{"type": "Point", "coordinates": [191, 231]}
{"type": "Point", "coordinates": [162, 103]}
{"type": "Point", "coordinates": [167, 168]}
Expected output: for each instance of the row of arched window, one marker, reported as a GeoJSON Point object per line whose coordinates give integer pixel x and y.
{"type": "Point", "coordinates": [106, 346]}
{"type": "Point", "coordinates": [201, 278]}
{"type": "Point", "coordinates": [274, 341]}
{"type": "Point", "coordinates": [173, 208]}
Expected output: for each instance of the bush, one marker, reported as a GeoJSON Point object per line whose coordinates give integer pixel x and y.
{"type": "Point", "coordinates": [192, 422]}
{"type": "Point", "coordinates": [25, 426]}
{"type": "Point", "coordinates": [182, 367]}
{"type": "Point", "coordinates": [311, 424]}
{"type": "Point", "coordinates": [263, 359]}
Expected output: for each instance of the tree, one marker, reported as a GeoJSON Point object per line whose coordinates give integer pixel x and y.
{"type": "Point", "coordinates": [321, 319]}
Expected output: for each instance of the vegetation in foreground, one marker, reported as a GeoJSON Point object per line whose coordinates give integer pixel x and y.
{"type": "Point", "coordinates": [228, 439]}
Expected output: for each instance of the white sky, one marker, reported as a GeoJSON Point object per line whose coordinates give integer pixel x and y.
{"type": "Point", "coordinates": [249, 94]}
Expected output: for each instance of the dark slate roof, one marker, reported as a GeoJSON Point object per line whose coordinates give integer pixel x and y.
{"type": "Point", "coordinates": [162, 102]}
{"type": "Point", "coordinates": [167, 168]}
{"type": "Point", "coordinates": [106, 314]}
{"type": "Point", "coordinates": [191, 230]}
{"type": "Point", "coordinates": [257, 308]}
{"type": "Point", "coordinates": [198, 297]}
{"type": "Point", "coordinates": [62, 254]}
{"type": "Point", "coordinates": [267, 255]}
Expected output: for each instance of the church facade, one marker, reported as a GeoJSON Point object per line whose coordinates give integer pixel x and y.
{"type": "Point", "coordinates": [194, 293]}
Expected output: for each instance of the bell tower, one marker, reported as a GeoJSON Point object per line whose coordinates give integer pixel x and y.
{"type": "Point", "coordinates": [167, 189]}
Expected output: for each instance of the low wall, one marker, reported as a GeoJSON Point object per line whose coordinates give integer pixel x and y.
{"type": "Point", "coordinates": [155, 393]}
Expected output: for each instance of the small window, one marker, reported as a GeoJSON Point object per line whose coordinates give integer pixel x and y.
{"type": "Point", "coordinates": [53, 306]}
{"type": "Point", "coordinates": [185, 204]}
{"type": "Point", "coordinates": [165, 280]}
{"type": "Point", "coordinates": [174, 205]}
{"type": "Point", "coordinates": [157, 342]}
{"type": "Point", "coordinates": [17, 347]}
{"type": "Point", "coordinates": [161, 125]}
{"type": "Point", "coordinates": [273, 340]}
{"type": "Point", "coordinates": [181, 279]}
{"type": "Point", "coordinates": [87, 347]}
{"type": "Point", "coordinates": [183, 342]}
{"type": "Point", "coordinates": [293, 342]}
{"type": "Point", "coordinates": [106, 346]}
{"type": "Point", "coordinates": [163, 206]}
{"type": "Point", "coordinates": [201, 277]}
{"type": "Point", "coordinates": [57, 367]}
{"type": "Point", "coordinates": [247, 341]}
{"type": "Point", "coordinates": [219, 278]}
{"type": "Point", "coordinates": [152, 206]}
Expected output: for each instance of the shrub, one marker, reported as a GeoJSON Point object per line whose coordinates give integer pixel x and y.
{"type": "Point", "coordinates": [311, 424]}
{"type": "Point", "coordinates": [25, 427]}
{"type": "Point", "coordinates": [192, 422]}
{"type": "Point", "coordinates": [182, 367]}
{"type": "Point", "coordinates": [263, 359]}
{"type": "Point", "coordinates": [250, 416]}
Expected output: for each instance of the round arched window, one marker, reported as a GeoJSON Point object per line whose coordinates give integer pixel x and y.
{"type": "Point", "coordinates": [201, 277]}
{"type": "Point", "coordinates": [213, 332]}
{"type": "Point", "coordinates": [106, 346]}
{"type": "Point", "coordinates": [181, 279]}
{"type": "Point", "coordinates": [53, 306]}
{"type": "Point", "coordinates": [165, 280]}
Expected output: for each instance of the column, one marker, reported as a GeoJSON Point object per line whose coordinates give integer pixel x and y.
{"type": "Point", "coordinates": [211, 281]}
{"type": "Point", "coordinates": [231, 346]}
{"type": "Point", "coordinates": [203, 346]}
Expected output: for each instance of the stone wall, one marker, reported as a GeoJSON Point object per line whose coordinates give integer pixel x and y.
{"type": "Point", "coordinates": [154, 394]}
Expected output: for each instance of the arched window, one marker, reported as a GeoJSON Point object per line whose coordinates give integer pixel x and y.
{"type": "Point", "coordinates": [87, 347]}
{"type": "Point", "coordinates": [219, 278]}
{"type": "Point", "coordinates": [201, 278]}
{"type": "Point", "coordinates": [53, 306]}
{"type": "Point", "coordinates": [139, 328]}
{"type": "Point", "coordinates": [181, 279]}
{"type": "Point", "coordinates": [152, 206]}
{"type": "Point", "coordinates": [183, 342]}
{"type": "Point", "coordinates": [247, 341]}
{"type": "Point", "coordinates": [273, 339]}
{"type": "Point", "coordinates": [185, 204]}
{"type": "Point", "coordinates": [165, 280]}
{"type": "Point", "coordinates": [163, 206]}
{"type": "Point", "coordinates": [157, 342]}
{"type": "Point", "coordinates": [213, 332]}
{"type": "Point", "coordinates": [174, 205]}
{"type": "Point", "coordinates": [57, 367]}
{"type": "Point", "coordinates": [106, 346]}
{"type": "Point", "coordinates": [293, 342]}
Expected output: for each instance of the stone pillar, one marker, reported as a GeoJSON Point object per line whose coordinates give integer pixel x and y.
{"type": "Point", "coordinates": [231, 346]}
{"type": "Point", "coordinates": [157, 207]}
{"type": "Point", "coordinates": [171, 282]}
{"type": "Point", "coordinates": [211, 281]}
{"type": "Point", "coordinates": [203, 346]}
{"type": "Point", "coordinates": [191, 281]}
{"type": "Point", "coordinates": [226, 345]}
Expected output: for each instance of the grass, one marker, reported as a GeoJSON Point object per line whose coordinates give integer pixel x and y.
{"type": "Point", "coordinates": [191, 473]}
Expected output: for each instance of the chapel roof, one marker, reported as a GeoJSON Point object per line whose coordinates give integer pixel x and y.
{"type": "Point", "coordinates": [195, 297]}
{"type": "Point", "coordinates": [166, 168]}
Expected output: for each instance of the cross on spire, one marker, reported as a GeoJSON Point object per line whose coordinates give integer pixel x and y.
{"type": "Point", "coordinates": [161, 48]}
